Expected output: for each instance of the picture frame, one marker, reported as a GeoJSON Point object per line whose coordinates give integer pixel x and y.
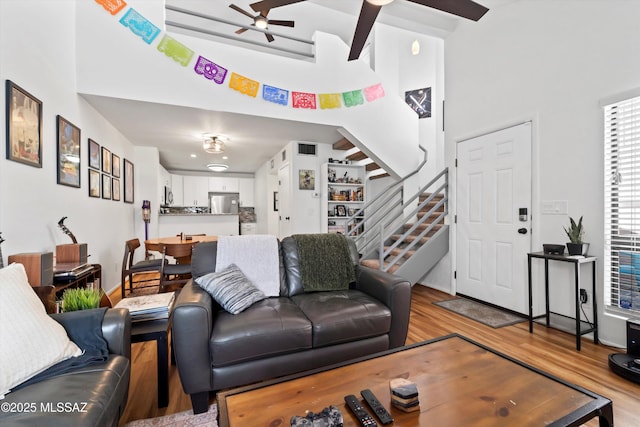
{"type": "Point", "coordinates": [115, 189]}
{"type": "Point", "coordinates": [307, 179]}
{"type": "Point", "coordinates": [94, 154]}
{"type": "Point", "coordinates": [68, 153]}
{"type": "Point", "coordinates": [106, 161]}
{"type": "Point", "coordinates": [94, 183]}
{"type": "Point", "coordinates": [115, 166]}
{"type": "Point", "coordinates": [341, 210]}
{"type": "Point", "coordinates": [24, 126]}
{"type": "Point", "coordinates": [128, 181]}
{"type": "Point", "coordinates": [275, 201]}
{"type": "Point", "coordinates": [106, 186]}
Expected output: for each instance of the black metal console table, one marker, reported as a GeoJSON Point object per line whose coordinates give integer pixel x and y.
{"type": "Point", "coordinates": [577, 262]}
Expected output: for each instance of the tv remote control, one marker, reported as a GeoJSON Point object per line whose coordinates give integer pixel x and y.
{"type": "Point", "coordinates": [380, 411]}
{"type": "Point", "coordinates": [358, 410]}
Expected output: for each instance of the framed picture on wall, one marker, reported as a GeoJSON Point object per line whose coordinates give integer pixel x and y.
{"type": "Point", "coordinates": [106, 161]}
{"type": "Point", "coordinates": [106, 186]}
{"type": "Point", "coordinates": [68, 153]}
{"type": "Point", "coordinates": [128, 181]}
{"type": "Point", "coordinates": [94, 154]}
{"type": "Point", "coordinates": [115, 166]}
{"type": "Point", "coordinates": [24, 126]}
{"type": "Point", "coordinates": [94, 183]}
{"type": "Point", "coordinates": [307, 179]}
{"type": "Point", "coordinates": [115, 189]}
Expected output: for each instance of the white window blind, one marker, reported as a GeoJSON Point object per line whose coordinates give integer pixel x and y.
{"type": "Point", "coordinates": [622, 204]}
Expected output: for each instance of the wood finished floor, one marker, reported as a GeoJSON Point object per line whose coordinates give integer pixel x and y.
{"type": "Point", "coordinates": [547, 349]}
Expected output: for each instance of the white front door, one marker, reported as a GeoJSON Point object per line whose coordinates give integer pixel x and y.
{"type": "Point", "coordinates": [493, 232]}
{"type": "Point", "coordinates": [284, 201]}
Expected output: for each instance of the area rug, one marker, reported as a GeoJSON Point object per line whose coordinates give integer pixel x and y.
{"type": "Point", "coordinates": [181, 419]}
{"type": "Point", "coordinates": [479, 312]}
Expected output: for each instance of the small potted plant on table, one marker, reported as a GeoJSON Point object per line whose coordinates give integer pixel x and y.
{"type": "Point", "coordinates": [575, 232]}
{"type": "Point", "coordinates": [81, 299]}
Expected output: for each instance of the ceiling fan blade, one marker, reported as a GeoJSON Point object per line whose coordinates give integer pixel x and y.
{"type": "Point", "coordinates": [282, 23]}
{"type": "Point", "coordinates": [367, 18]}
{"type": "Point", "coordinates": [270, 4]}
{"type": "Point", "coordinates": [242, 11]}
{"type": "Point", "coordinates": [269, 37]}
{"type": "Point", "coordinates": [241, 30]}
{"type": "Point", "coordinates": [463, 8]}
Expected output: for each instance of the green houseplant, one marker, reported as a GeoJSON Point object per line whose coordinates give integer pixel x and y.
{"type": "Point", "coordinates": [575, 232]}
{"type": "Point", "coordinates": [81, 299]}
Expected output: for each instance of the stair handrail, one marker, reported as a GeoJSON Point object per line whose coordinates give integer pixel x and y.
{"type": "Point", "coordinates": [355, 224]}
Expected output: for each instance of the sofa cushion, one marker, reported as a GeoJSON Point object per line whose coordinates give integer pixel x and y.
{"type": "Point", "coordinates": [231, 289]}
{"type": "Point", "coordinates": [268, 328]}
{"type": "Point", "coordinates": [31, 340]}
{"type": "Point", "coordinates": [341, 316]}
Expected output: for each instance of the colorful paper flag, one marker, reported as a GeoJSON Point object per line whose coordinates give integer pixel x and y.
{"type": "Point", "coordinates": [303, 100]}
{"type": "Point", "coordinates": [244, 85]}
{"type": "Point", "coordinates": [353, 98]}
{"type": "Point", "coordinates": [274, 94]}
{"type": "Point", "coordinates": [112, 6]}
{"type": "Point", "coordinates": [210, 70]}
{"type": "Point", "coordinates": [329, 100]}
{"type": "Point", "coordinates": [175, 50]}
{"type": "Point", "coordinates": [374, 92]}
{"type": "Point", "coordinates": [140, 26]}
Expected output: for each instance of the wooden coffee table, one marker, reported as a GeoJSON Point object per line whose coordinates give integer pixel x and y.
{"type": "Point", "coordinates": [460, 382]}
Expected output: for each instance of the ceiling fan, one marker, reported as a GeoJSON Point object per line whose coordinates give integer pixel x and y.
{"type": "Point", "coordinates": [260, 20]}
{"type": "Point", "coordinates": [369, 12]}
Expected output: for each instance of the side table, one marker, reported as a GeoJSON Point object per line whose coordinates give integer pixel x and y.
{"type": "Point", "coordinates": [156, 330]}
{"type": "Point", "coordinates": [577, 262]}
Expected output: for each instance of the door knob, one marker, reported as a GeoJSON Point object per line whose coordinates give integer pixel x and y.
{"type": "Point", "coordinates": [522, 230]}
{"type": "Point", "coordinates": [287, 218]}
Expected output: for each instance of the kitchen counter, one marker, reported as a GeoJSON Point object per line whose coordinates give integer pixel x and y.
{"type": "Point", "coordinates": [172, 224]}
{"type": "Point", "coordinates": [194, 214]}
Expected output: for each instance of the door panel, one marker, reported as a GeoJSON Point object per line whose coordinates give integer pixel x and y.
{"type": "Point", "coordinates": [494, 181]}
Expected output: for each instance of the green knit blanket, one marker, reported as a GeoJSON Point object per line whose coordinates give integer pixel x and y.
{"type": "Point", "coordinates": [325, 262]}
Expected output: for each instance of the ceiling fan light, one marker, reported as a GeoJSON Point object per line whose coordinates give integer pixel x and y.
{"type": "Point", "coordinates": [261, 22]}
{"type": "Point", "coordinates": [379, 2]}
{"type": "Point", "coordinates": [217, 167]}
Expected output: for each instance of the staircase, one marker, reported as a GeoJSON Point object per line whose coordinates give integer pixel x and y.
{"type": "Point", "coordinates": [374, 171]}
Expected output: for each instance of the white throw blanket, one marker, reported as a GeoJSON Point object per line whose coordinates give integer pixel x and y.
{"type": "Point", "coordinates": [256, 256]}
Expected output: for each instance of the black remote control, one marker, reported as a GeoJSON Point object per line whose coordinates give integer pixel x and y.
{"type": "Point", "coordinates": [381, 412]}
{"type": "Point", "coordinates": [358, 410]}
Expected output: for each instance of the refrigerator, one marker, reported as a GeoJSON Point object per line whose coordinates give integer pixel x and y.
{"type": "Point", "coordinates": [224, 203]}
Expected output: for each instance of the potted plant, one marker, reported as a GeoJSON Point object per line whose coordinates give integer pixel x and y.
{"type": "Point", "coordinates": [575, 232]}
{"type": "Point", "coordinates": [81, 299]}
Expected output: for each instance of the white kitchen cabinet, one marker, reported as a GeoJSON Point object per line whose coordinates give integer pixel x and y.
{"type": "Point", "coordinates": [245, 188]}
{"type": "Point", "coordinates": [177, 188]}
{"type": "Point", "coordinates": [229, 185]}
{"type": "Point", "coordinates": [196, 190]}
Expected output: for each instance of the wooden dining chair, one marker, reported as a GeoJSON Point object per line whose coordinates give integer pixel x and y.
{"type": "Point", "coordinates": [176, 275]}
{"type": "Point", "coordinates": [129, 268]}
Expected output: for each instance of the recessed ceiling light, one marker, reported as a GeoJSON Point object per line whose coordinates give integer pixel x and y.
{"type": "Point", "coordinates": [193, 155]}
{"type": "Point", "coordinates": [217, 167]}
{"type": "Point", "coordinates": [225, 157]}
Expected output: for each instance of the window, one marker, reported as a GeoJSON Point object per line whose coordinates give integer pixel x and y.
{"type": "Point", "coordinates": [622, 204]}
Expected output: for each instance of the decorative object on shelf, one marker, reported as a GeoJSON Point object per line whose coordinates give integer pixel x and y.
{"type": "Point", "coordinates": [24, 126]}
{"type": "Point", "coordinates": [307, 179]}
{"type": "Point", "coordinates": [549, 248]}
{"type": "Point", "coordinates": [94, 154]}
{"type": "Point", "coordinates": [94, 183]}
{"type": "Point", "coordinates": [66, 230]}
{"type": "Point", "coordinates": [575, 232]}
{"type": "Point", "coordinates": [68, 153]}
{"type": "Point", "coordinates": [128, 181]}
{"type": "Point", "coordinates": [75, 299]}
{"type": "Point", "coordinates": [341, 210]}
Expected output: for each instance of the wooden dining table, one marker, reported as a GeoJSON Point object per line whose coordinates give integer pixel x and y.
{"type": "Point", "coordinates": [176, 246]}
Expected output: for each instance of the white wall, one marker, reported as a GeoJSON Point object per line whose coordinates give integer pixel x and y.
{"type": "Point", "coordinates": [550, 61]}
{"type": "Point", "coordinates": [37, 52]}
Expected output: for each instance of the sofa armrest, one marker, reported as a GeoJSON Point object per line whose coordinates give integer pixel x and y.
{"type": "Point", "coordinates": [116, 330]}
{"type": "Point", "coordinates": [191, 326]}
{"type": "Point", "coordinates": [394, 292]}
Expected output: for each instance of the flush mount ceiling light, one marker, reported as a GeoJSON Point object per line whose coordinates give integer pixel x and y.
{"type": "Point", "coordinates": [379, 2]}
{"type": "Point", "coordinates": [415, 47]}
{"type": "Point", "coordinates": [213, 145]}
{"type": "Point", "coordinates": [261, 22]}
{"type": "Point", "coordinates": [217, 167]}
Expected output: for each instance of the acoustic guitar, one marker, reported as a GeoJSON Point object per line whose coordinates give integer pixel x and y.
{"type": "Point", "coordinates": [66, 230]}
{"type": "Point", "coordinates": [1, 259]}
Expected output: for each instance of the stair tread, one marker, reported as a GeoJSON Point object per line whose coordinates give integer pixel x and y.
{"type": "Point", "coordinates": [410, 238]}
{"type": "Point", "coordinates": [375, 264]}
{"type": "Point", "coordinates": [397, 251]}
{"type": "Point", "coordinates": [343, 144]}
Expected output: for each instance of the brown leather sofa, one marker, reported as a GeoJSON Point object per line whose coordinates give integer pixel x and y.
{"type": "Point", "coordinates": [91, 396]}
{"type": "Point", "coordinates": [294, 332]}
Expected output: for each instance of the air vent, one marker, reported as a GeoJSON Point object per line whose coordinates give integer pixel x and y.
{"type": "Point", "coordinates": [307, 149]}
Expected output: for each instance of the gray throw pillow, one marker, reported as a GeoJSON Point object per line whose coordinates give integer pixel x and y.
{"type": "Point", "coordinates": [231, 289]}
